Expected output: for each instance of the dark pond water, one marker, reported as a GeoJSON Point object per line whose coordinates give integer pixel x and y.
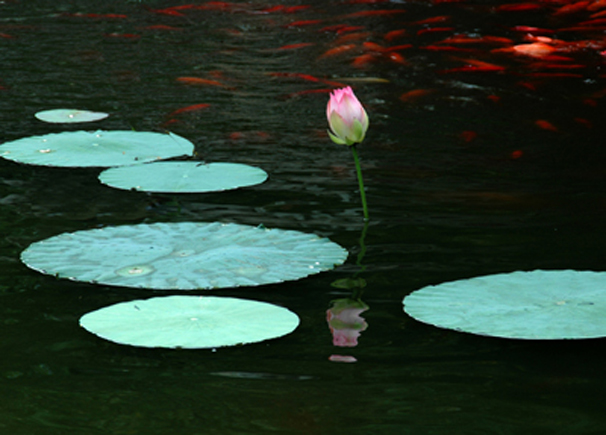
{"type": "Point", "coordinates": [461, 181]}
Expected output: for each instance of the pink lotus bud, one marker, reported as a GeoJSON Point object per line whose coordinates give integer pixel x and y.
{"type": "Point", "coordinates": [347, 118]}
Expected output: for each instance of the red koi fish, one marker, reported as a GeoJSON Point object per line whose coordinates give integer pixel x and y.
{"type": "Point", "coordinates": [585, 122]}
{"type": "Point", "coordinates": [337, 50]}
{"type": "Point", "coordinates": [464, 39]}
{"type": "Point", "coordinates": [517, 7]}
{"type": "Point", "coordinates": [168, 11]}
{"type": "Point", "coordinates": [350, 37]}
{"type": "Point", "coordinates": [199, 81]}
{"type": "Point", "coordinates": [572, 8]}
{"type": "Point", "coordinates": [364, 59]}
{"type": "Point", "coordinates": [295, 46]}
{"type": "Point", "coordinates": [432, 20]}
{"type": "Point", "coordinates": [535, 49]}
{"type": "Point", "coordinates": [394, 34]}
{"type": "Point", "coordinates": [516, 154]}
{"type": "Point", "coordinates": [474, 65]}
{"type": "Point", "coordinates": [310, 92]}
{"type": "Point", "coordinates": [191, 108]}
{"type": "Point", "coordinates": [415, 94]}
{"type": "Point", "coordinates": [449, 48]}
{"type": "Point", "coordinates": [122, 35]}
{"type": "Point", "coordinates": [545, 125]}
{"type": "Point", "coordinates": [468, 135]}
{"type": "Point", "coordinates": [532, 30]}
{"type": "Point", "coordinates": [375, 13]}
{"type": "Point", "coordinates": [347, 29]}
{"type": "Point", "coordinates": [434, 30]}
{"type": "Point", "coordinates": [302, 23]}
{"type": "Point", "coordinates": [307, 77]}
{"type": "Point", "coordinates": [285, 9]}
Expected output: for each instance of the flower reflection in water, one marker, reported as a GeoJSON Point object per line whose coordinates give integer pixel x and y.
{"type": "Point", "coordinates": [346, 324]}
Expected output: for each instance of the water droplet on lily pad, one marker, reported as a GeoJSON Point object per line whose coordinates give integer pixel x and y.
{"type": "Point", "coordinates": [183, 177]}
{"type": "Point", "coordinates": [96, 149]}
{"type": "Point", "coordinates": [184, 255]}
{"type": "Point", "coordinates": [536, 305]}
{"type": "Point", "coordinates": [190, 322]}
{"type": "Point", "coordinates": [69, 116]}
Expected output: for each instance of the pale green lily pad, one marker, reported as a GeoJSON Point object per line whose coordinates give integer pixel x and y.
{"type": "Point", "coordinates": [96, 149]}
{"type": "Point", "coordinates": [183, 177]}
{"type": "Point", "coordinates": [69, 116]}
{"type": "Point", "coordinates": [184, 256]}
{"type": "Point", "coordinates": [190, 322]}
{"type": "Point", "coordinates": [536, 305]}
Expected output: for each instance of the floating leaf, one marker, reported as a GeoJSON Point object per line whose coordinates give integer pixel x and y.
{"type": "Point", "coordinates": [184, 256]}
{"type": "Point", "coordinates": [190, 322]}
{"type": "Point", "coordinates": [95, 149]}
{"type": "Point", "coordinates": [69, 116]}
{"type": "Point", "coordinates": [541, 305]}
{"type": "Point", "coordinates": [183, 177]}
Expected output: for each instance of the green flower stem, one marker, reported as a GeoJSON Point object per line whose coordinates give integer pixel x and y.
{"type": "Point", "coordinates": [360, 181]}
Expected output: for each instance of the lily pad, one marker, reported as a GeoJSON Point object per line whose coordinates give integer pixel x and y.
{"type": "Point", "coordinates": [69, 116]}
{"type": "Point", "coordinates": [95, 149]}
{"type": "Point", "coordinates": [190, 322]}
{"type": "Point", "coordinates": [536, 305]}
{"type": "Point", "coordinates": [183, 177]}
{"type": "Point", "coordinates": [184, 256]}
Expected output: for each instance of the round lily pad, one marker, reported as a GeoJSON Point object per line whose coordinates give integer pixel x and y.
{"type": "Point", "coordinates": [190, 322]}
{"type": "Point", "coordinates": [536, 305]}
{"type": "Point", "coordinates": [183, 177]}
{"type": "Point", "coordinates": [184, 256]}
{"type": "Point", "coordinates": [95, 149]}
{"type": "Point", "coordinates": [69, 116]}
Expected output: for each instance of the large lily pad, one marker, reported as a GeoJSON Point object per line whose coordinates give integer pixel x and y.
{"type": "Point", "coordinates": [190, 322]}
{"type": "Point", "coordinates": [541, 305]}
{"type": "Point", "coordinates": [95, 149]}
{"type": "Point", "coordinates": [184, 256]}
{"type": "Point", "coordinates": [183, 177]}
{"type": "Point", "coordinates": [69, 116]}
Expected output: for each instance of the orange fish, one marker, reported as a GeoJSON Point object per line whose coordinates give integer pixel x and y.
{"type": "Point", "coordinates": [302, 23]}
{"type": "Point", "coordinates": [364, 59]}
{"type": "Point", "coordinates": [337, 50]}
{"type": "Point", "coordinates": [415, 94]}
{"type": "Point", "coordinates": [199, 81]}
{"type": "Point", "coordinates": [191, 108]}
{"type": "Point", "coordinates": [516, 154]}
{"type": "Point", "coordinates": [433, 20]}
{"type": "Point", "coordinates": [295, 46]}
{"type": "Point", "coordinates": [375, 13]}
{"type": "Point", "coordinates": [573, 8]}
{"type": "Point", "coordinates": [587, 123]}
{"type": "Point", "coordinates": [545, 125]}
{"type": "Point", "coordinates": [516, 7]}
{"type": "Point", "coordinates": [535, 49]}
{"type": "Point", "coordinates": [434, 30]}
{"type": "Point", "coordinates": [394, 34]}
{"type": "Point", "coordinates": [468, 135]}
